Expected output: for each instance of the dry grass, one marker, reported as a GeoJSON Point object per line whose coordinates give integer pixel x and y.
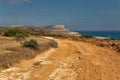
{"type": "Point", "coordinates": [11, 51]}
{"type": "Point", "coordinates": [7, 59]}
{"type": "Point", "coordinates": [7, 42]}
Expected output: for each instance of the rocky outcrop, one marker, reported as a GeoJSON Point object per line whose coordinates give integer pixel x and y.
{"type": "Point", "coordinates": [54, 29]}
{"type": "Point", "coordinates": [47, 28]}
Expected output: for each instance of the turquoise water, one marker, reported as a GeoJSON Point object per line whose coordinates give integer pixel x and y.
{"type": "Point", "coordinates": [111, 34]}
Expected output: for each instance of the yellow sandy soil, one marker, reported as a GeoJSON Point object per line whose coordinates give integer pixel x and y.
{"type": "Point", "coordinates": [70, 61]}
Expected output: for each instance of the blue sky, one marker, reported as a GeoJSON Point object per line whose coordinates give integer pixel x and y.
{"type": "Point", "coordinates": [74, 14]}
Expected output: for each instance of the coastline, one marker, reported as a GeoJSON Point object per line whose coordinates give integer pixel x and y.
{"type": "Point", "coordinates": [101, 34]}
{"type": "Point", "coordinates": [99, 37]}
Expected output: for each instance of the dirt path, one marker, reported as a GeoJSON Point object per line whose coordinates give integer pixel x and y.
{"type": "Point", "coordinates": [71, 61]}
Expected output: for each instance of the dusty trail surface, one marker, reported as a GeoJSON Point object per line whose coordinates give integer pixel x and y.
{"type": "Point", "coordinates": [70, 61]}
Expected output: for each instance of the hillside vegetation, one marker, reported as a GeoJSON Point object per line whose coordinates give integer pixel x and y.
{"type": "Point", "coordinates": [15, 33]}
{"type": "Point", "coordinates": [58, 32]}
{"type": "Point", "coordinates": [12, 51]}
{"type": "Point", "coordinates": [64, 56]}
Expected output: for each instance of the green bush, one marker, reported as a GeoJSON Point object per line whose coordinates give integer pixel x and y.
{"type": "Point", "coordinates": [31, 44]}
{"type": "Point", "coordinates": [86, 36]}
{"type": "Point", "coordinates": [14, 33]}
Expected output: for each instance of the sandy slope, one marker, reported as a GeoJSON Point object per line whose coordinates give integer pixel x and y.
{"type": "Point", "coordinates": [71, 61]}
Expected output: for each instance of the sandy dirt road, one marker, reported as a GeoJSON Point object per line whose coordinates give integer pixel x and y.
{"type": "Point", "coordinates": [70, 61]}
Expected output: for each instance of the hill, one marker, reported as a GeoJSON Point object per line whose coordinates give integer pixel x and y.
{"type": "Point", "coordinates": [46, 30]}
{"type": "Point", "coordinates": [65, 57]}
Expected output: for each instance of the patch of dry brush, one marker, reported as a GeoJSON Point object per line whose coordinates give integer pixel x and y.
{"type": "Point", "coordinates": [16, 54]}
{"type": "Point", "coordinates": [10, 55]}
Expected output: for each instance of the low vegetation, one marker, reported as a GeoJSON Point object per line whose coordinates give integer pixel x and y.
{"type": "Point", "coordinates": [32, 44]}
{"type": "Point", "coordinates": [112, 43]}
{"type": "Point", "coordinates": [53, 44]}
{"type": "Point", "coordinates": [16, 54]}
{"type": "Point", "coordinates": [12, 52]}
{"type": "Point", "coordinates": [115, 38]}
{"type": "Point", "coordinates": [15, 33]}
{"type": "Point", "coordinates": [50, 44]}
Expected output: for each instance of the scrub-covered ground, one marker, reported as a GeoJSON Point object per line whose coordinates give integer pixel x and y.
{"type": "Point", "coordinates": [72, 60]}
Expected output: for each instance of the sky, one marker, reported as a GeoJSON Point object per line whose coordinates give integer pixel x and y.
{"type": "Point", "coordinates": [74, 14]}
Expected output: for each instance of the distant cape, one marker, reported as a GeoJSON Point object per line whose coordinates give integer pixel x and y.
{"type": "Point", "coordinates": [49, 29]}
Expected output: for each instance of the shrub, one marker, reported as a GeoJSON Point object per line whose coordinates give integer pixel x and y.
{"type": "Point", "coordinates": [86, 36]}
{"type": "Point", "coordinates": [14, 33]}
{"type": "Point", "coordinates": [53, 44]}
{"type": "Point", "coordinates": [31, 44]}
{"type": "Point", "coordinates": [115, 38]}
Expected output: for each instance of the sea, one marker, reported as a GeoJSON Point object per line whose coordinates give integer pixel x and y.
{"type": "Point", "coordinates": [108, 34]}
